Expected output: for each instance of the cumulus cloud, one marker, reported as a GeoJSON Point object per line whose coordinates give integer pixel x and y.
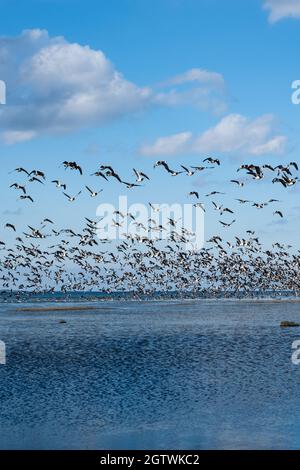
{"type": "Point", "coordinates": [234, 133]}
{"type": "Point", "coordinates": [279, 9]}
{"type": "Point", "coordinates": [54, 86]}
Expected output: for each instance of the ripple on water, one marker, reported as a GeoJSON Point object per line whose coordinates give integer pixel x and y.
{"type": "Point", "coordinates": [200, 374]}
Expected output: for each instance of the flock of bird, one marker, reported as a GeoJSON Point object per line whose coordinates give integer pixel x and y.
{"type": "Point", "coordinates": [47, 258]}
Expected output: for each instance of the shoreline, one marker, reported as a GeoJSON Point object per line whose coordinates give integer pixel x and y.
{"type": "Point", "coordinates": [59, 308]}
{"type": "Point", "coordinates": [72, 308]}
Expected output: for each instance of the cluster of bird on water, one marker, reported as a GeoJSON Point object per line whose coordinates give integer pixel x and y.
{"type": "Point", "coordinates": [47, 258]}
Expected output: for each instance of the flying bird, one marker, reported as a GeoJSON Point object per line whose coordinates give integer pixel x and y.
{"type": "Point", "coordinates": [140, 176]}
{"type": "Point", "coordinates": [93, 193]}
{"type": "Point", "coordinates": [213, 161]}
{"type": "Point", "coordinates": [72, 198]}
{"type": "Point", "coordinates": [194, 193]}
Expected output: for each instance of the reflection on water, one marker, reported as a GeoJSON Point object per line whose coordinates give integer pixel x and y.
{"type": "Point", "coordinates": [187, 374]}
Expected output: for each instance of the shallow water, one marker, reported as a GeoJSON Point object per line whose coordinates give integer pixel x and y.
{"type": "Point", "coordinates": [213, 374]}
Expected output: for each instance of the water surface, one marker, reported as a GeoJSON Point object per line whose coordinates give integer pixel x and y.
{"type": "Point", "coordinates": [202, 374]}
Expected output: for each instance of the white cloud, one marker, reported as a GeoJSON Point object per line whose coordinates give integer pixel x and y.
{"type": "Point", "coordinates": [198, 75]}
{"type": "Point", "coordinates": [198, 87]}
{"type": "Point", "coordinates": [234, 133]}
{"type": "Point", "coordinates": [238, 133]}
{"type": "Point", "coordinates": [54, 86]}
{"type": "Point", "coordinates": [13, 137]}
{"type": "Point", "coordinates": [280, 9]}
{"type": "Point", "coordinates": [275, 145]}
{"type": "Point", "coordinates": [170, 145]}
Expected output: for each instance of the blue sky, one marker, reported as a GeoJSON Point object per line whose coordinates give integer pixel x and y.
{"type": "Point", "coordinates": [183, 67]}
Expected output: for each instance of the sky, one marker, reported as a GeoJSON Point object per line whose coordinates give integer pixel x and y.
{"type": "Point", "coordinates": [129, 82]}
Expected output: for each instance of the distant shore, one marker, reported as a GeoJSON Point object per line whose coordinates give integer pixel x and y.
{"type": "Point", "coordinates": [73, 308]}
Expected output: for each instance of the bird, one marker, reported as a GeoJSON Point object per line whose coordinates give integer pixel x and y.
{"type": "Point", "coordinates": [165, 165]}
{"type": "Point", "coordinates": [34, 178]}
{"type": "Point", "coordinates": [269, 167]}
{"type": "Point", "coordinates": [285, 181]}
{"type": "Point", "coordinates": [226, 224]}
{"type": "Point", "coordinates": [93, 193]}
{"type": "Point", "coordinates": [253, 170]}
{"type": "Point", "coordinates": [278, 213]}
{"type": "Point", "coordinates": [73, 166]}
{"type": "Point", "coordinates": [131, 185]}
{"type": "Point", "coordinates": [20, 170]}
{"type": "Point", "coordinates": [38, 174]}
{"type": "Point", "coordinates": [201, 205]}
{"type": "Point", "coordinates": [188, 171]}
{"type": "Point", "coordinates": [259, 205]}
{"type": "Point", "coordinates": [213, 161]}
{"type": "Point", "coordinates": [111, 172]}
{"type": "Point", "coordinates": [72, 198]}
{"type": "Point", "coordinates": [26, 197]}
{"type": "Point", "coordinates": [201, 168]}
{"type": "Point", "coordinates": [8, 225]}
{"type": "Point", "coordinates": [194, 193]}
{"type": "Point", "coordinates": [46, 220]}
{"type": "Point", "coordinates": [295, 165]}
{"type": "Point", "coordinates": [59, 184]}
{"type": "Point", "coordinates": [242, 201]}
{"type": "Point", "coordinates": [140, 176]}
{"type": "Point", "coordinates": [213, 193]}
{"type": "Point", "coordinates": [239, 183]}
{"type": "Point", "coordinates": [18, 186]}
{"type": "Point", "coordinates": [100, 173]}
{"type": "Point", "coordinates": [155, 209]}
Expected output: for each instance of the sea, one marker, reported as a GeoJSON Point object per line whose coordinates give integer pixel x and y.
{"type": "Point", "coordinates": [156, 373]}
